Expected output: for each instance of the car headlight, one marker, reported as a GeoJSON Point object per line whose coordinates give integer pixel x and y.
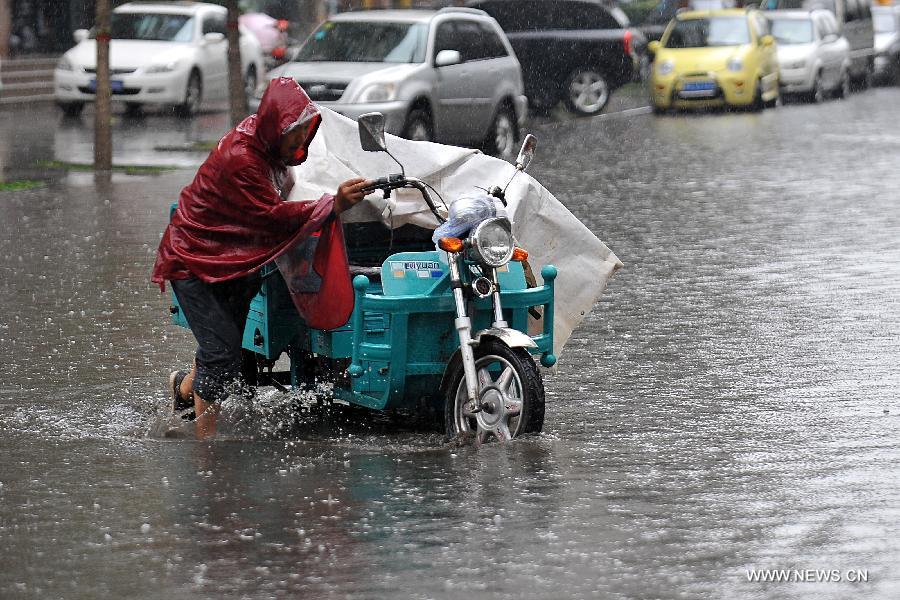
{"type": "Point", "coordinates": [378, 92]}
{"type": "Point", "coordinates": [64, 64]}
{"type": "Point", "coordinates": [492, 242]}
{"type": "Point", "coordinates": [797, 64]}
{"type": "Point", "coordinates": [665, 67]}
{"type": "Point", "coordinates": [163, 67]}
{"type": "Point", "coordinates": [735, 64]}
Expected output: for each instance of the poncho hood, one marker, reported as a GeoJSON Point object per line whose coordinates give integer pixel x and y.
{"type": "Point", "coordinates": [283, 108]}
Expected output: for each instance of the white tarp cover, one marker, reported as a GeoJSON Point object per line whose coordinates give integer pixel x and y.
{"type": "Point", "coordinates": [542, 225]}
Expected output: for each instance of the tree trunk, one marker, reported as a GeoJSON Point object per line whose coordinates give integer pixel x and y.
{"type": "Point", "coordinates": [5, 27]}
{"type": "Point", "coordinates": [237, 96]}
{"type": "Point", "coordinates": [103, 97]}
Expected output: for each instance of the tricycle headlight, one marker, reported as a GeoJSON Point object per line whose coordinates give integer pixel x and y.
{"type": "Point", "coordinates": [665, 67]}
{"type": "Point", "coordinates": [492, 242]}
{"type": "Point", "coordinates": [378, 92]}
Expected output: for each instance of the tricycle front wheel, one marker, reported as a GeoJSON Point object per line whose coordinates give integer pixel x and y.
{"type": "Point", "coordinates": [510, 389]}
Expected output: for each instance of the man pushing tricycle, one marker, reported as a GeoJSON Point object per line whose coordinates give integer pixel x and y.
{"type": "Point", "coordinates": [230, 221]}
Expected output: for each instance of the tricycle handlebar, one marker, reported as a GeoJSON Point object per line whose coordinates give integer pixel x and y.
{"type": "Point", "coordinates": [397, 181]}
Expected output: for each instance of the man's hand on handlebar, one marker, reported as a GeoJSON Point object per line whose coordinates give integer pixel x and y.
{"type": "Point", "coordinates": [350, 193]}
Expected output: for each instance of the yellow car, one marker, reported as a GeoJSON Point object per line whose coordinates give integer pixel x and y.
{"type": "Point", "coordinates": [714, 58]}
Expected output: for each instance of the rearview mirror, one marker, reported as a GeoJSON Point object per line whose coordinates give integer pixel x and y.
{"type": "Point", "coordinates": [371, 132]}
{"type": "Point", "coordinates": [526, 153]}
{"type": "Point", "coordinates": [768, 40]}
{"type": "Point", "coordinates": [653, 47]}
{"type": "Point", "coordinates": [80, 35]}
{"type": "Point", "coordinates": [445, 58]}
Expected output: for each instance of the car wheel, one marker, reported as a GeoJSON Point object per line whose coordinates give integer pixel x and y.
{"type": "Point", "coordinates": [757, 103]}
{"type": "Point", "coordinates": [844, 88]}
{"type": "Point", "coordinates": [193, 96]}
{"type": "Point", "coordinates": [774, 102]}
{"type": "Point", "coordinates": [419, 126]}
{"type": "Point", "coordinates": [818, 92]}
{"type": "Point", "coordinates": [250, 81]}
{"type": "Point", "coordinates": [865, 81]}
{"type": "Point", "coordinates": [587, 91]}
{"type": "Point", "coordinates": [133, 109]}
{"type": "Point", "coordinates": [71, 109]}
{"type": "Point", "coordinates": [503, 138]}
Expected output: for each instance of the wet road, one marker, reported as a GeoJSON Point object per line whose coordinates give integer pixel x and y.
{"type": "Point", "coordinates": [729, 405]}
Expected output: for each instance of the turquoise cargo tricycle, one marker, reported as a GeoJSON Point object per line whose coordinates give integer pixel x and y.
{"type": "Point", "coordinates": [438, 330]}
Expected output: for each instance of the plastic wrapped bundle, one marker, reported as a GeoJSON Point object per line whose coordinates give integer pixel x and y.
{"type": "Point", "coordinates": [466, 213]}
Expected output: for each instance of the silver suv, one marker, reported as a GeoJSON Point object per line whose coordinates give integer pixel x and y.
{"type": "Point", "coordinates": [448, 75]}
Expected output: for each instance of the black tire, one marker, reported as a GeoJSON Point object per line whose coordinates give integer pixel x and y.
{"type": "Point", "coordinates": [817, 95]}
{"type": "Point", "coordinates": [865, 81]}
{"type": "Point", "coordinates": [71, 109]}
{"type": "Point", "coordinates": [757, 105]}
{"type": "Point", "coordinates": [868, 79]}
{"type": "Point", "coordinates": [419, 125]}
{"type": "Point", "coordinates": [524, 392]}
{"type": "Point", "coordinates": [133, 109]}
{"type": "Point", "coordinates": [586, 91]}
{"type": "Point", "coordinates": [193, 96]}
{"type": "Point", "coordinates": [503, 138]}
{"type": "Point", "coordinates": [250, 81]}
{"type": "Point", "coordinates": [844, 89]}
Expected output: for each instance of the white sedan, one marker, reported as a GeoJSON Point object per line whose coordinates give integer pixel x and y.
{"type": "Point", "coordinates": [160, 54]}
{"type": "Point", "coordinates": [813, 56]}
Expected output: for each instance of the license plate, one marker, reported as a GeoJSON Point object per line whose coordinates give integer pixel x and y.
{"type": "Point", "coordinates": [699, 86]}
{"type": "Point", "coordinates": [115, 85]}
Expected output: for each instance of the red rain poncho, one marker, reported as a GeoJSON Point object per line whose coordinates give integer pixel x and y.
{"type": "Point", "coordinates": [231, 220]}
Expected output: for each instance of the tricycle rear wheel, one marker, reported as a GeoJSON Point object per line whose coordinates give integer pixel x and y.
{"type": "Point", "coordinates": [511, 392]}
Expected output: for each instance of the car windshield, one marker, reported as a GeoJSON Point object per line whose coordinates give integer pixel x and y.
{"type": "Point", "coordinates": [792, 31]}
{"type": "Point", "coordinates": [884, 22]}
{"type": "Point", "coordinates": [152, 27]}
{"type": "Point", "coordinates": [381, 42]}
{"type": "Point", "coordinates": [717, 31]}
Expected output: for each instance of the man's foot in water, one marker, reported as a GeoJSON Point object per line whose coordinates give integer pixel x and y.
{"type": "Point", "coordinates": [181, 406]}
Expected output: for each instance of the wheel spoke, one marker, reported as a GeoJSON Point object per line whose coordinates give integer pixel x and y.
{"type": "Point", "coordinates": [482, 436]}
{"type": "Point", "coordinates": [484, 378]}
{"type": "Point", "coordinates": [513, 407]}
{"type": "Point", "coordinates": [466, 410]}
{"type": "Point", "coordinates": [506, 377]}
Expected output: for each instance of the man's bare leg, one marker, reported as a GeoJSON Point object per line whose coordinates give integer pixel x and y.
{"type": "Point", "coordinates": [207, 415]}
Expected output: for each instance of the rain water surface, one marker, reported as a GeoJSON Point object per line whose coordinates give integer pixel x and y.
{"type": "Point", "coordinates": [729, 405]}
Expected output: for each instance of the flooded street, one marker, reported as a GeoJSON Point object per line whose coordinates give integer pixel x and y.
{"type": "Point", "coordinates": [730, 405]}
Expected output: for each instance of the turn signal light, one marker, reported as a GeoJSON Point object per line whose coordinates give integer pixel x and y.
{"type": "Point", "coordinates": [449, 244]}
{"type": "Point", "coordinates": [519, 255]}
